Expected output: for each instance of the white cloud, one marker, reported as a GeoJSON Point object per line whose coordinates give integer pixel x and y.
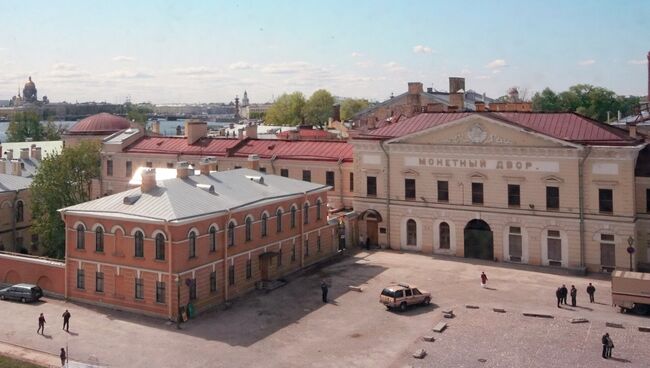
{"type": "Point", "coordinates": [287, 68]}
{"type": "Point", "coordinates": [241, 65]}
{"type": "Point", "coordinates": [354, 54]}
{"type": "Point", "coordinates": [637, 62]}
{"type": "Point", "coordinates": [122, 58]}
{"type": "Point", "coordinates": [587, 62]}
{"type": "Point", "coordinates": [496, 64]}
{"type": "Point", "coordinates": [195, 70]}
{"type": "Point", "coordinates": [364, 64]}
{"type": "Point", "coordinates": [393, 67]}
{"type": "Point", "coordinates": [483, 77]}
{"type": "Point", "coordinates": [421, 49]}
{"type": "Point", "coordinates": [129, 74]}
{"type": "Point", "coordinates": [64, 66]}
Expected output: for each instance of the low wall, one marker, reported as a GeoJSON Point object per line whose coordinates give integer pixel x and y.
{"type": "Point", "coordinates": [47, 273]}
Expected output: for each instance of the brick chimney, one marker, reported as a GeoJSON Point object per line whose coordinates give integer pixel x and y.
{"type": "Point", "coordinates": [3, 165]}
{"type": "Point", "coordinates": [155, 127]}
{"type": "Point", "coordinates": [16, 168]}
{"type": "Point", "coordinates": [205, 165]}
{"type": "Point", "coordinates": [195, 130]}
{"type": "Point", "coordinates": [182, 169]}
{"type": "Point", "coordinates": [631, 128]}
{"type": "Point", "coordinates": [37, 154]}
{"type": "Point", "coordinates": [24, 153]}
{"type": "Point", "coordinates": [253, 162]}
{"type": "Point", "coordinates": [148, 179]}
{"type": "Point", "coordinates": [480, 106]}
{"type": "Point", "coordinates": [251, 131]}
{"type": "Point", "coordinates": [10, 154]}
{"type": "Point", "coordinates": [457, 92]}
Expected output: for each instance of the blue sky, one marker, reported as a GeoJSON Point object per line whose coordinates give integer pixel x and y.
{"type": "Point", "coordinates": [200, 51]}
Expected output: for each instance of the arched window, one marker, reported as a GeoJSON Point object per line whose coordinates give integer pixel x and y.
{"type": "Point", "coordinates": [20, 210]}
{"type": "Point", "coordinates": [213, 238]}
{"type": "Point", "coordinates": [249, 228]}
{"type": "Point", "coordinates": [318, 206]}
{"type": "Point", "coordinates": [191, 239]}
{"type": "Point", "coordinates": [139, 244]}
{"type": "Point", "coordinates": [305, 213]}
{"type": "Point", "coordinates": [445, 239]}
{"type": "Point", "coordinates": [293, 217]}
{"type": "Point", "coordinates": [99, 239]}
{"type": "Point", "coordinates": [411, 232]}
{"type": "Point", "coordinates": [81, 235]}
{"type": "Point", "coordinates": [231, 234]}
{"type": "Point", "coordinates": [264, 223]}
{"type": "Point", "coordinates": [278, 220]}
{"type": "Point", "coordinates": [160, 247]}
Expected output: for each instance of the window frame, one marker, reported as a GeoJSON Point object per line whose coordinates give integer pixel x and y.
{"type": "Point", "coordinates": [410, 192]}
{"type": "Point", "coordinates": [305, 213]}
{"type": "Point", "coordinates": [278, 220]}
{"type": "Point", "coordinates": [514, 195]}
{"type": "Point", "coordinates": [248, 226]}
{"type": "Point", "coordinates": [264, 223]}
{"type": "Point", "coordinates": [284, 173]}
{"type": "Point", "coordinates": [552, 199]}
{"type": "Point", "coordinates": [81, 279]}
{"type": "Point", "coordinates": [139, 288]}
{"type": "Point", "coordinates": [249, 269]}
{"type": "Point", "coordinates": [371, 183]}
{"type": "Point", "coordinates": [99, 282]}
{"type": "Point", "coordinates": [159, 241]}
{"type": "Point", "coordinates": [138, 244]}
{"type": "Point", "coordinates": [160, 292]}
{"type": "Point", "coordinates": [213, 281]}
{"type": "Point", "coordinates": [20, 211]}
{"type": "Point", "coordinates": [212, 238]}
{"type": "Point", "coordinates": [605, 205]}
{"type": "Point", "coordinates": [442, 193]}
{"type": "Point", "coordinates": [231, 233]}
{"type": "Point", "coordinates": [99, 239]}
{"type": "Point", "coordinates": [330, 179]}
{"type": "Point", "coordinates": [81, 236]}
{"type": "Point", "coordinates": [444, 237]}
{"type": "Point", "coordinates": [306, 176]}
{"type": "Point", "coordinates": [411, 232]}
{"type": "Point", "coordinates": [109, 167]}
{"type": "Point", "coordinates": [191, 244]}
{"type": "Point", "coordinates": [478, 190]}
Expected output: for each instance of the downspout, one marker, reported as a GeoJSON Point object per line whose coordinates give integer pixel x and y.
{"type": "Point", "coordinates": [340, 164]}
{"type": "Point", "coordinates": [65, 250]}
{"type": "Point", "coordinates": [581, 202]}
{"type": "Point", "coordinates": [225, 257]}
{"type": "Point", "coordinates": [272, 165]}
{"type": "Point", "coordinates": [171, 280]}
{"type": "Point", "coordinates": [301, 221]}
{"type": "Point", "coordinates": [381, 145]}
{"type": "Point", "coordinates": [13, 221]}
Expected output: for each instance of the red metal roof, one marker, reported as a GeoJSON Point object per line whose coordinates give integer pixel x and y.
{"type": "Point", "coordinates": [102, 123]}
{"type": "Point", "coordinates": [565, 126]}
{"type": "Point", "coordinates": [179, 145]}
{"type": "Point", "coordinates": [306, 133]}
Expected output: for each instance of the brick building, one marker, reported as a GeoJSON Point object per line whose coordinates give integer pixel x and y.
{"type": "Point", "coordinates": [201, 238]}
{"type": "Point", "coordinates": [15, 214]}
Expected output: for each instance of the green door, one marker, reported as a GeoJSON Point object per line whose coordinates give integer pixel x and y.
{"type": "Point", "coordinates": [478, 240]}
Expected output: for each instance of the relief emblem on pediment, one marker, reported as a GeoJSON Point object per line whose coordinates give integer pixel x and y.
{"type": "Point", "coordinates": [477, 134]}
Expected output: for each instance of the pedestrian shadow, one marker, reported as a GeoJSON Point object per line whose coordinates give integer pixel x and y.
{"type": "Point", "coordinates": [585, 308]}
{"type": "Point", "coordinates": [620, 360]}
{"type": "Point", "coordinates": [490, 288]}
{"type": "Point", "coordinates": [599, 303]}
{"type": "Point", "coordinates": [49, 337]}
{"type": "Point", "coordinates": [73, 333]}
{"type": "Point", "coordinates": [567, 308]}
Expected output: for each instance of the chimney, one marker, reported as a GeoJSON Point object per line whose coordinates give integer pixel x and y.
{"type": "Point", "coordinates": [631, 128]}
{"type": "Point", "coordinates": [457, 100]}
{"type": "Point", "coordinates": [3, 165]}
{"type": "Point", "coordinates": [213, 163]}
{"type": "Point", "coordinates": [251, 131]}
{"type": "Point", "coordinates": [480, 106]}
{"type": "Point", "coordinates": [336, 112]}
{"type": "Point", "coordinates": [195, 130]}
{"type": "Point", "coordinates": [254, 162]}
{"type": "Point", "coordinates": [155, 127]}
{"type": "Point", "coordinates": [31, 150]}
{"type": "Point", "coordinates": [10, 154]}
{"type": "Point", "coordinates": [182, 169]}
{"type": "Point", "coordinates": [435, 107]}
{"type": "Point", "coordinates": [148, 179]}
{"type": "Point", "coordinates": [457, 92]}
{"type": "Point", "coordinates": [429, 89]}
{"type": "Point", "coordinates": [24, 153]}
{"type": "Point", "coordinates": [16, 169]}
{"type": "Point", "coordinates": [415, 88]}
{"type": "Point", "coordinates": [205, 165]}
{"type": "Point", "coordinates": [456, 84]}
{"type": "Point", "coordinates": [37, 154]}
{"type": "Point", "coordinates": [240, 133]}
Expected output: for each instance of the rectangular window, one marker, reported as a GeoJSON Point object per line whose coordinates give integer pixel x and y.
{"type": "Point", "coordinates": [170, 165]}
{"type": "Point", "coordinates": [352, 182]}
{"type": "Point", "coordinates": [279, 258]}
{"type": "Point", "coordinates": [293, 252]}
{"type": "Point", "coordinates": [477, 193]}
{"type": "Point", "coordinates": [605, 200]}
{"type": "Point", "coordinates": [514, 199]}
{"type": "Point", "coordinates": [443, 191]}
{"type": "Point", "coordinates": [99, 282]}
{"type": "Point", "coordinates": [109, 167]}
{"type": "Point", "coordinates": [371, 186]}
{"type": "Point", "coordinates": [81, 280]}
{"type": "Point", "coordinates": [552, 198]}
{"type": "Point", "coordinates": [193, 290]}
{"type": "Point", "coordinates": [237, 167]}
{"type": "Point", "coordinates": [329, 179]}
{"type": "Point", "coordinates": [263, 170]}
{"type": "Point", "coordinates": [149, 164]}
{"type": "Point", "coordinates": [160, 292]}
{"type": "Point", "coordinates": [306, 175]}
{"type": "Point", "coordinates": [129, 169]}
{"type": "Point", "coordinates": [607, 252]}
{"type": "Point", "coordinates": [231, 275]}
{"type": "Point", "coordinates": [514, 243]}
{"type": "Point", "coordinates": [249, 269]}
{"type": "Point", "coordinates": [213, 281]}
{"type": "Point", "coordinates": [139, 288]}
{"type": "Point", "coordinates": [554, 244]}
{"type": "Point", "coordinates": [284, 172]}
{"type": "Point", "coordinates": [306, 247]}
{"type": "Point", "coordinates": [409, 188]}
{"type": "Point", "coordinates": [318, 247]}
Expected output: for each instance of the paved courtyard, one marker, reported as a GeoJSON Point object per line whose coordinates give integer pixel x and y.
{"type": "Point", "coordinates": [291, 327]}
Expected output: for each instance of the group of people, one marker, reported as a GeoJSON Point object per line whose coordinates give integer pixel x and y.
{"type": "Point", "coordinates": [562, 293]}
{"type": "Point", "coordinates": [66, 327]}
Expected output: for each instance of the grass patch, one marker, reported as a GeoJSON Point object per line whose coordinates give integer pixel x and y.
{"type": "Point", "coordinates": [6, 362]}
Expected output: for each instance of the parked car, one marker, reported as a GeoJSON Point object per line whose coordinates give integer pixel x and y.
{"type": "Point", "coordinates": [23, 292]}
{"type": "Point", "coordinates": [402, 295]}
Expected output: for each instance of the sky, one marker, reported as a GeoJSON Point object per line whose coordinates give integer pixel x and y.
{"type": "Point", "coordinates": [210, 51]}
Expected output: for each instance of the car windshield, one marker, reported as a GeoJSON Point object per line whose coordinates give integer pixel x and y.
{"type": "Point", "coordinates": [388, 292]}
{"type": "Point", "coordinates": [416, 292]}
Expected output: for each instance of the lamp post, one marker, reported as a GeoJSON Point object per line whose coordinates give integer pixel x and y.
{"type": "Point", "coordinates": [178, 302]}
{"type": "Point", "coordinates": [630, 249]}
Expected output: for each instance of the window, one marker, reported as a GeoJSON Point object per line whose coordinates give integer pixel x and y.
{"type": "Point", "coordinates": [445, 238]}
{"type": "Point", "coordinates": [213, 239]}
{"type": "Point", "coordinates": [99, 239]}
{"type": "Point", "coordinates": [81, 235]}
{"type": "Point", "coordinates": [514, 199]}
{"type": "Point", "coordinates": [160, 247]}
{"type": "Point", "coordinates": [109, 167]}
{"type": "Point", "coordinates": [306, 175]}
{"type": "Point", "coordinates": [279, 258]}
{"type": "Point", "coordinates": [409, 188]}
{"type": "Point", "coordinates": [329, 179]}
{"type": "Point", "coordinates": [81, 281]}
{"type": "Point", "coordinates": [293, 217]}
{"type": "Point", "coordinates": [231, 275]}
{"type": "Point", "coordinates": [249, 269]}
{"type": "Point", "coordinates": [351, 182]}
{"type": "Point", "coordinates": [99, 282]}
{"type": "Point", "coordinates": [371, 186]}
{"type": "Point", "coordinates": [263, 224]}
{"type": "Point", "coordinates": [411, 232]}
{"type": "Point", "coordinates": [213, 281]}
{"type": "Point", "coordinates": [139, 244]}
{"type": "Point", "coordinates": [160, 292]}
{"type": "Point", "coordinates": [318, 207]}
{"type": "Point", "coordinates": [149, 164]}
{"type": "Point", "coordinates": [477, 193]}
{"type": "Point", "coordinates": [605, 200]}
{"type": "Point", "coordinates": [554, 244]}
{"type": "Point", "coordinates": [20, 211]}
{"type": "Point", "coordinates": [192, 244]}
{"type": "Point", "coordinates": [318, 247]}
{"type": "Point", "coordinates": [647, 200]}
{"type": "Point", "coordinates": [170, 165]}
{"type": "Point", "coordinates": [284, 172]}
{"type": "Point", "coordinates": [263, 170]}
{"type": "Point", "coordinates": [193, 289]}
{"type": "Point", "coordinates": [139, 288]}
{"type": "Point", "coordinates": [607, 252]}
{"type": "Point", "coordinates": [231, 234]}
{"type": "Point", "coordinates": [443, 191]}
{"type": "Point", "coordinates": [249, 228]}
{"type": "Point", "coordinates": [305, 213]}
{"type": "Point", "coordinates": [129, 168]}
{"type": "Point", "coordinates": [293, 252]}
{"type": "Point", "coordinates": [552, 198]}
{"type": "Point", "coordinates": [278, 220]}
{"type": "Point", "coordinates": [514, 243]}
{"type": "Point", "coordinates": [237, 167]}
{"type": "Point", "coordinates": [408, 292]}
{"type": "Point", "coordinates": [307, 247]}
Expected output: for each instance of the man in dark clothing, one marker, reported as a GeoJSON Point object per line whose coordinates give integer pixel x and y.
{"type": "Point", "coordinates": [41, 324]}
{"type": "Point", "coordinates": [323, 288]}
{"type": "Point", "coordinates": [565, 293]}
{"type": "Point", "coordinates": [558, 295]}
{"type": "Point", "coordinates": [607, 346]}
{"type": "Point", "coordinates": [368, 243]}
{"type": "Point", "coordinates": [63, 357]}
{"type": "Point", "coordinates": [66, 320]}
{"type": "Point", "coordinates": [574, 294]}
{"type": "Point", "coordinates": [591, 290]}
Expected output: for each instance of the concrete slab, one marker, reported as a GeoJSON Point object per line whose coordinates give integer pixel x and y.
{"type": "Point", "coordinates": [538, 315]}
{"type": "Point", "coordinates": [644, 329]}
{"type": "Point", "coordinates": [429, 338]}
{"type": "Point", "coordinates": [614, 325]}
{"type": "Point", "coordinates": [499, 310]}
{"type": "Point", "coordinates": [420, 354]}
{"type": "Point", "coordinates": [579, 320]}
{"type": "Point", "coordinates": [470, 306]}
{"type": "Point", "coordinates": [356, 288]}
{"type": "Point", "coordinates": [441, 326]}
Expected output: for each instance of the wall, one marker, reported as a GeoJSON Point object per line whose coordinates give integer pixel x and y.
{"type": "Point", "coordinates": [47, 273]}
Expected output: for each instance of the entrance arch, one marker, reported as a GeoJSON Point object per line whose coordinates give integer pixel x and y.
{"type": "Point", "coordinates": [479, 240]}
{"type": "Point", "coordinates": [372, 219]}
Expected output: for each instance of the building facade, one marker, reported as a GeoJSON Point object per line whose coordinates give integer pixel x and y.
{"type": "Point", "coordinates": [16, 215]}
{"type": "Point", "coordinates": [535, 188]}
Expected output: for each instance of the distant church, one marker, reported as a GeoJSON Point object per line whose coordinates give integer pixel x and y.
{"type": "Point", "coordinates": [30, 96]}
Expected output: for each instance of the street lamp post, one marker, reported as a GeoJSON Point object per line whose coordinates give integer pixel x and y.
{"type": "Point", "coordinates": [630, 249]}
{"type": "Point", "coordinates": [178, 302]}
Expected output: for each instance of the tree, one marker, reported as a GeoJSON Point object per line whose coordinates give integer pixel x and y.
{"type": "Point", "coordinates": [318, 108]}
{"type": "Point", "coordinates": [28, 125]}
{"type": "Point", "coordinates": [351, 106]}
{"type": "Point", "coordinates": [287, 110]}
{"type": "Point", "coordinates": [137, 113]}
{"type": "Point", "coordinates": [63, 180]}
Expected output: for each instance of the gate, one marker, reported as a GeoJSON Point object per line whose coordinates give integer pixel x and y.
{"type": "Point", "coordinates": [478, 240]}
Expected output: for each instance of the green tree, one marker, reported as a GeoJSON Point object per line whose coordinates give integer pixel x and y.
{"type": "Point", "coordinates": [138, 113]}
{"type": "Point", "coordinates": [287, 110]}
{"type": "Point", "coordinates": [28, 125]}
{"type": "Point", "coordinates": [318, 108]}
{"type": "Point", "coordinates": [351, 106]}
{"type": "Point", "coordinates": [546, 100]}
{"type": "Point", "coordinates": [63, 180]}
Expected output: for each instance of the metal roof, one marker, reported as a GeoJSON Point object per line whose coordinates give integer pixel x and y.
{"type": "Point", "coordinates": [12, 183]}
{"type": "Point", "coordinates": [179, 200]}
{"type": "Point", "coordinates": [102, 123]}
{"type": "Point", "coordinates": [179, 145]}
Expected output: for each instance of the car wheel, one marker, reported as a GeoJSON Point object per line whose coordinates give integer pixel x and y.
{"type": "Point", "coordinates": [402, 307]}
{"type": "Point", "coordinates": [426, 301]}
{"type": "Point", "coordinates": [2, 297]}
{"type": "Point", "coordinates": [23, 300]}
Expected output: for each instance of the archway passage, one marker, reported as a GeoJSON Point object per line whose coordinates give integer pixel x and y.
{"type": "Point", "coordinates": [478, 240]}
{"type": "Point", "coordinates": [372, 219]}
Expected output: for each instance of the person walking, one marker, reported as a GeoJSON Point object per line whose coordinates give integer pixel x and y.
{"type": "Point", "coordinates": [610, 346]}
{"type": "Point", "coordinates": [565, 293]}
{"type": "Point", "coordinates": [368, 243]}
{"type": "Point", "coordinates": [591, 290]}
{"type": "Point", "coordinates": [324, 289]}
{"type": "Point", "coordinates": [574, 294]}
{"type": "Point", "coordinates": [41, 324]}
{"type": "Point", "coordinates": [484, 280]}
{"type": "Point", "coordinates": [558, 295]}
{"type": "Point", "coordinates": [66, 320]}
{"type": "Point", "coordinates": [63, 357]}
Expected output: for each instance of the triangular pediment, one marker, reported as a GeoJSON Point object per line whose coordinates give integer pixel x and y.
{"type": "Point", "coordinates": [479, 130]}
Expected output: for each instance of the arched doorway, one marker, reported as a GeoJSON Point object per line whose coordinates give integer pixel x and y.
{"type": "Point", "coordinates": [372, 219]}
{"type": "Point", "coordinates": [478, 240]}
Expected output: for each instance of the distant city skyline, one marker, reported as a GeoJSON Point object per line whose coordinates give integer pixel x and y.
{"type": "Point", "coordinates": [191, 52]}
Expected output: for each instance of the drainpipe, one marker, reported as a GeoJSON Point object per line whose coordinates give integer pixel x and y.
{"type": "Point", "coordinates": [581, 201]}
{"type": "Point", "coordinates": [65, 250]}
{"type": "Point", "coordinates": [225, 257]}
{"type": "Point", "coordinates": [340, 164]}
{"type": "Point", "coordinates": [172, 281]}
{"type": "Point", "coordinates": [13, 221]}
{"type": "Point", "coordinates": [381, 145]}
{"type": "Point", "coordinates": [301, 221]}
{"type": "Point", "coordinates": [272, 165]}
